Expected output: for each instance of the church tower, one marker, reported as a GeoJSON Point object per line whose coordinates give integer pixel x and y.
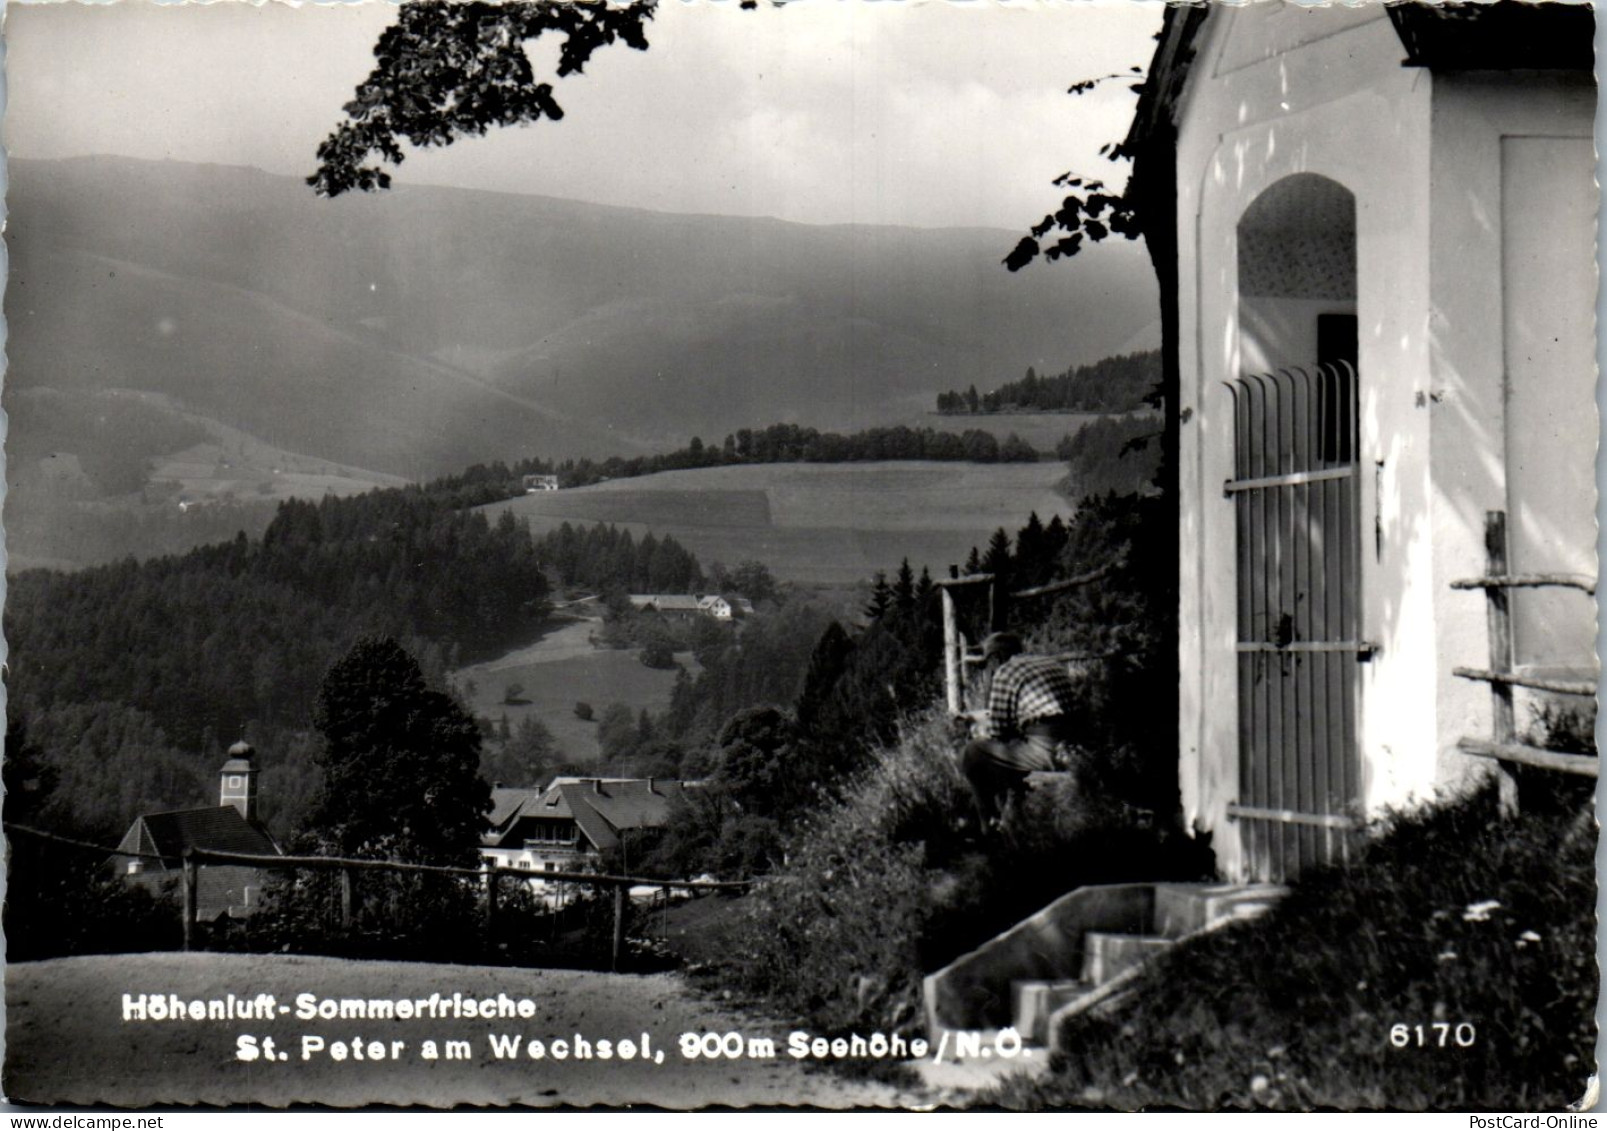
{"type": "Point", "coordinates": [237, 781]}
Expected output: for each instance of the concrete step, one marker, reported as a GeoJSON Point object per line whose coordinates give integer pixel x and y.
{"type": "Point", "coordinates": [1182, 909]}
{"type": "Point", "coordinates": [1105, 955]}
{"type": "Point", "coordinates": [1100, 935]}
{"type": "Point", "coordinates": [1036, 1001]}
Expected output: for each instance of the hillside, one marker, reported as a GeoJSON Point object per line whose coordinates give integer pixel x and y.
{"type": "Point", "coordinates": [819, 523]}
{"type": "Point", "coordinates": [418, 331]}
{"type": "Point", "coordinates": [93, 476]}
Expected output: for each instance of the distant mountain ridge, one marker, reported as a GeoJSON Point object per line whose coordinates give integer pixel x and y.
{"type": "Point", "coordinates": [419, 331]}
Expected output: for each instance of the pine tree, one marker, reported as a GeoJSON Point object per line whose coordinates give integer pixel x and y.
{"type": "Point", "coordinates": [904, 588]}
{"type": "Point", "coordinates": [997, 560]}
{"type": "Point", "coordinates": [1032, 560]}
{"type": "Point", "coordinates": [881, 597]}
{"type": "Point", "coordinates": [826, 666]}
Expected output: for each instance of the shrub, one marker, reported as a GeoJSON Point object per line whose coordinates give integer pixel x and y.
{"type": "Point", "coordinates": [658, 654]}
{"type": "Point", "coordinates": [584, 712]}
{"type": "Point", "coordinates": [395, 915]}
{"type": "Point", "coordinates": [65, 901]}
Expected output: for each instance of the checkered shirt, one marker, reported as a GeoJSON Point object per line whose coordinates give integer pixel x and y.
{"type": "Point", "coordinates": [1026, 689]}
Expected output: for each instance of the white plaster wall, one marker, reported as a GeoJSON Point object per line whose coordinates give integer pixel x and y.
{"type": "Point", "coordinates": [536, 859]}
{"type": "Point", "coordinates": [1475, 118]}
{"type": "Point", "coordinates": [1289, 322]}
{"type": "Point", "coordinates": [1338, 104]}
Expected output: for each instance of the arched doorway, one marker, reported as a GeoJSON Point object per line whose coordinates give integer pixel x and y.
{"type": "Point", "coordinates": [1295, 493]}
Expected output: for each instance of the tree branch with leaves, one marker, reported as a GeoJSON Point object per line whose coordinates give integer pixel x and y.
{"type": "Point", "coordinates": [1089, 212]}
{"type": "Point", "coordinates": [447, 70]}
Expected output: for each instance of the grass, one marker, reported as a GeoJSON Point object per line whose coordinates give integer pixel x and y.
{"type": "Point", "coordinates": [815, 523]}
{"type": "Point", "coordinates": [559, 670]}
{"type": "Point", "coordinates": [1450, 917]}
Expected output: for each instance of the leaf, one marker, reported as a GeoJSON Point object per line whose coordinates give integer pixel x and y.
{"type": "Point", "coordinates": [1024, 253]}
{"type": "Point", "coordinates": [1066, 247]}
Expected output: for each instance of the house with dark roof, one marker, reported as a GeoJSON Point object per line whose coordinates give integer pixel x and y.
{"type": "Point", "coordinates": [568, 826]}
{"type": "Point", "coordinates": [162, 839]}
{"type": "Point", "coordinates": [1373, 228]}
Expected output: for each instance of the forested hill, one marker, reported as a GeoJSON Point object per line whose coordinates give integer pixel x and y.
{"type": "Point", "coordinates": [1114, 384]}
{"type": "Point", "coordinates": [134, 676]}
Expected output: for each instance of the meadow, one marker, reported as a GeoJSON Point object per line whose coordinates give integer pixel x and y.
{"type": "Point", "coordinates": [820, 524]}
{"type": "Point", "coordinates": [557, 671]}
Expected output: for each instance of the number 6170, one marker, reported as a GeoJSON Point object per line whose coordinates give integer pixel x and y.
{"type": "Point", "coordinates": [1437, 1034]}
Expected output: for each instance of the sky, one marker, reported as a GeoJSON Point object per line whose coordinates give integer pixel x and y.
{"type": "Point", "coordinates": [934, 114]}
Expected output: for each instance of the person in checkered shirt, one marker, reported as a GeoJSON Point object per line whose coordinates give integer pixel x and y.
{"type": "Point", "coordinates": [1028, 721]}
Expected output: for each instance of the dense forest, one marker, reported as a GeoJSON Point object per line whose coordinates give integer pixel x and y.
{"type": "Point", "coordinates": [1112, 455]}
{"type": "Point", "coordinates": [133, 676]}
{"type": "Point", "coordinates": [1114, 384]}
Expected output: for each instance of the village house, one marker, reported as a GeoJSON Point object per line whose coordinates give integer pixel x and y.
{"type": "Point", "coordinates": [1374, 232]}
{"type": "Point", "coordinates": [571, 824]}
{"type": "Point", "coordinates": [534, 484]}
{"type": "Point", "coordinates": [688, 605]}
{"type": "Point", "coordinates": [230, 826]}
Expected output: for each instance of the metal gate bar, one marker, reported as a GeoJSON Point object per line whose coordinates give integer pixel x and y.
{"type": "Point", "coordinates": [1295, 493]}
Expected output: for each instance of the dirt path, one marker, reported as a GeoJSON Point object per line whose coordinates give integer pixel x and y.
{"type": "Point", "coordinates": [67, 1041]}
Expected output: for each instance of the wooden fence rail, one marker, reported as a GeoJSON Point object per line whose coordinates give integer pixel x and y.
{"type": "Point", "coordinates": [193, 859]}
{"type": "Point", "coordinates": [1503, 745]}
{"type": "Point", "coordinates": [958, 652]}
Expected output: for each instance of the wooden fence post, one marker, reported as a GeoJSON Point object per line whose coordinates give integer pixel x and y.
{"type": "Point", "coordinates": [187, 904]}
{"type": "Point", "coordinates": [490, 899]}
{"type": "Point", "coordinates": [1500, 628]}
{"type": "Point", "coordinates": [619, 923]}
{"type": "Point", "coordinates": [951, 653]}
{"type": "Point", "coordinates": [347, 898]}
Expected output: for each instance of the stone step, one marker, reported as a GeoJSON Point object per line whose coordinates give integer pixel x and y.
{"type": "Point", "coordinates": [1035, 1001]}
{"type": "Point", "coordinates": [1106, 955]}
{"type": "Point", "coordinates": [1182, 909]}
{"type": "Point", "coordinates": [1060, 946]}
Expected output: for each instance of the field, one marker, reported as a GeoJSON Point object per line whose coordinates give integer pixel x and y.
{"type": "Point", "coordinates": [556, 671]}
{"type": "Point", "coordinates": [832, 524]}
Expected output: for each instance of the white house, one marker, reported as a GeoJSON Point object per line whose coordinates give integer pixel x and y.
{"type": "Point", "coordinates": [1404, 195]}
{"type": "Point", "coordinates": [713, 605]}
{"type": "Point", "coordinates": [568, 826]}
